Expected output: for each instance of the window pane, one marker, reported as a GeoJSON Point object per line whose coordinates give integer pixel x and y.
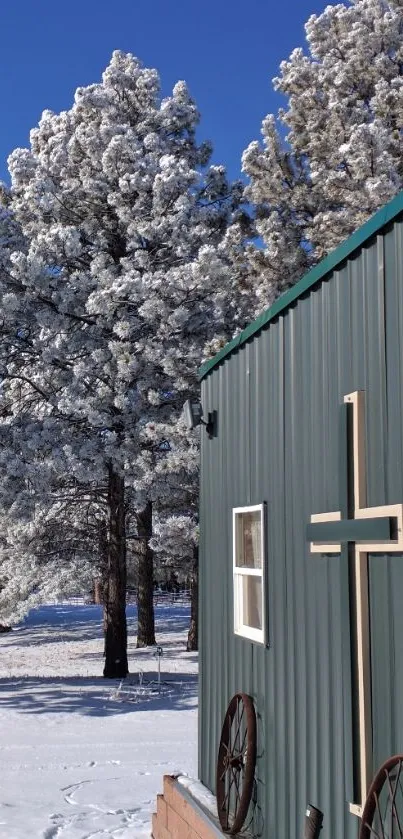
{"type": "Point", "coordinates": [252, 602]}
{"type": "Point", "coordinates": [248, 535]}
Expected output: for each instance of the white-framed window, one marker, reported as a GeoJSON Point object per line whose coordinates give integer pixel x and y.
{"type": "Point", "coordinates": [249, 524]}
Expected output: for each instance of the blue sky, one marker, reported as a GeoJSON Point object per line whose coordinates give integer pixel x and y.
{"type": "Point", "coordinates": [227, 51]}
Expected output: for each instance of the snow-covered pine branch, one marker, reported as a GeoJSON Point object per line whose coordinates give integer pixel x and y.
{"type": "Point", "coordinates": [342, 157]}
{"type": "Point", "coordinates": [51, 553]}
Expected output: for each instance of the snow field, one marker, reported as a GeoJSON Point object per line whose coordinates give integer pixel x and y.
{"type": "Point", "coordinates": [81, 756]}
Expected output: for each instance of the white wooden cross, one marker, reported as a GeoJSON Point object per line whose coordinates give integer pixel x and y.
{"type": "Point", "coordinates": [369, 531]}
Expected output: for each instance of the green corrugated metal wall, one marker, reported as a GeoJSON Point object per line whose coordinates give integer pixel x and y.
{"type": "Point", "coordinates": [278, 402]}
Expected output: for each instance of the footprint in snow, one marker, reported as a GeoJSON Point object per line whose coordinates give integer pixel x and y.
{"type": "Point", "coordinates": [131, 816]}
{"type": "Point", "coordinates": [59, 822]}
{"type": "Point", "coordinates": [54, 830]}
{"type": "Point", "coordinates": [71, 789]}
{"type": "Point", "coordinates": [51, 832]}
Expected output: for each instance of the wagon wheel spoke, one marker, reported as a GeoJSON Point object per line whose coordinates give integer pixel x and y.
{"type": "Point", "coordinates": [244, 742]}
{"type": "Point", "coordinates": [228, 794]}
{"type": "Point", "coordinates": [226, 807]}
{"type": "Point", "coordinates": [372, 831]}
{"type": "Point", "coordinates": [393, 792]}
{"type": "Point", "coordinates": [378, 807]}
{"type": "Point", "coordinates": [382, 815]}
{"type": "Point", "coordinates": [236, 780]}
{"type": "Point", "coordinates": [239, 723]}
{"type": "Point", "coordinates": [238, 794]}
{"type": "Point", "coordinates": [236, 763]}
{"type": "Point", "coordinates": [226, 798]}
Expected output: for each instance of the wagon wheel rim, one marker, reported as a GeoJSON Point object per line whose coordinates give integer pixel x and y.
{"type": "Point", "coordinates": [236, 763]}
{"type": "Point", "coordinates": [382, 816]}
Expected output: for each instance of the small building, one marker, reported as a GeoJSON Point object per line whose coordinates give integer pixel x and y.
{"type": "Point", "coordinates": [301, 554]}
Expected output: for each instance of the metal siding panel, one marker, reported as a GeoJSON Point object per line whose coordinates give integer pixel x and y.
{"type": "Point", "coordinates": [269, 673]}
{"type": "Point", "coordinates": [208, 591]}
{"type": "Point", "coordinates": [239, 494]}
{"type": "Point", "coordinates": [278, 574]}
{"type": "Point", "coordinates": [257, 396]}
{"type": "Point", "coordinates": [375, 449]}
{"type": "Point", "coordinates": [226, 659]}
{"type": "Point", "coordinates": [296, 593]}
{"type": "Point", "coordinates": [215, 586]}
{"type": "Point", "coordinates": [279, 400]}
{"type": "Point", "coordinates": [227, 442]}
{"type": "Point", "coordinates": [315, 614]}
{"type": "Point", "coordinates": [337, 602]}
{"type": "Point", "coordinates": [394, 379]}
{"type": "Point", "coordinates": [269, 668]}
{"type": "Point", "coordinates": [386, 572]}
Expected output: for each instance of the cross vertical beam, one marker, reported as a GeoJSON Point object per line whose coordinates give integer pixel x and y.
{"type": "Point", "coordinates": [362, 530]}
{"type": "Point", "coordinates": [361, 606]}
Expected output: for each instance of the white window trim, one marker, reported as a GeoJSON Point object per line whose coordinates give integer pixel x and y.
{"type": "Point", "coordinates": [241, 629]}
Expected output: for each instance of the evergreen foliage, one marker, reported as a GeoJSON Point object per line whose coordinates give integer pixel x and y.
{"type": "Point", "coordinates": [333, 154]}
{"type": "Point", "coordinates": [119, 278]}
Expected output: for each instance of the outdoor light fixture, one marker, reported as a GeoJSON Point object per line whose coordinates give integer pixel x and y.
{"type": "Point", "coordinates": [193, 413]}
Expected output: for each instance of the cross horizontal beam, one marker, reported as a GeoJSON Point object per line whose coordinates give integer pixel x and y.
{"type": "Point", "coordinates": [350, 530]}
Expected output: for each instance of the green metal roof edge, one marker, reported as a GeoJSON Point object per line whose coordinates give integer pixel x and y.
{"type": "Point", "coordinates": [356, 240]}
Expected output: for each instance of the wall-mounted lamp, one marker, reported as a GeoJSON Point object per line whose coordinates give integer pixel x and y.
{"type": "Point", "coordinates": [193, 413]}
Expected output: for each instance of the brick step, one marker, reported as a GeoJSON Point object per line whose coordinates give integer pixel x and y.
{"type": "Point", "coordinates": [180, 816]}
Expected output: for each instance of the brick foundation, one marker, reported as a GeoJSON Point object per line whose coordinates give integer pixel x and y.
{"type": "Point", "coordinates": [180, 816]}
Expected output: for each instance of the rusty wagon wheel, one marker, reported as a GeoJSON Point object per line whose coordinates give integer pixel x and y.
{"type": "Point", "coordinates": [236, 763]}
{"type": "Point", "coordinates": [382, 816]}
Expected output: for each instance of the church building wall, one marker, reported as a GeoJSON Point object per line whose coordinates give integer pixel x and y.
{"type": "Point", "coordinates": [278, 398]}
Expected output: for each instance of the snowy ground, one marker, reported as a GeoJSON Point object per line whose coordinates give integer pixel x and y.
{"type": "Point", "coordinates": [80, 756]}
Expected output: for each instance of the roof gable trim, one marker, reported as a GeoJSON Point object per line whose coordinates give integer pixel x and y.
{"type": "Point", "coordinates": [381, 218]}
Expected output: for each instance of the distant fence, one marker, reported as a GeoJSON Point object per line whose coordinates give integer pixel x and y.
{"type": "Point", "coordinates": [161, 598]}
{"type": "Point", "coordinates": [76, 600]}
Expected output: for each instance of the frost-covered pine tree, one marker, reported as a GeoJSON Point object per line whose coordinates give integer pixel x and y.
{"type": "Point", "coordinates": [191, 316]}
{"type": "Point", "coordinates": [174, 484]}
{"type": "Point", "coordinates": [176, 541]}
{"type": "Point", "coordinates": [124, 227]}
{"type": "Point", "coordinates": [51, 553]}
{"type": "Point", "coordinates": [343, 154]}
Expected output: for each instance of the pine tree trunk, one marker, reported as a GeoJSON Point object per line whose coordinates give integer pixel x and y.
{"type": "Point", "coordinates": [103, 568]}
{"type": "Point", "coordinates": [98, 597]}
{"type": "Point", "coordinates": [116, 666]}
{"type": "Point", "coordinates": [193, 634]}
{"type": "Point", "coordinates": [145, 599]}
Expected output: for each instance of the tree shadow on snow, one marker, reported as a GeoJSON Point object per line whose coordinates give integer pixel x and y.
{"type": "Point", "coordinates": [60, 624]}
{"type": "Point", "coordinates": [101, 697]}
{"type": "Point", "coordinates": [34, 637]}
